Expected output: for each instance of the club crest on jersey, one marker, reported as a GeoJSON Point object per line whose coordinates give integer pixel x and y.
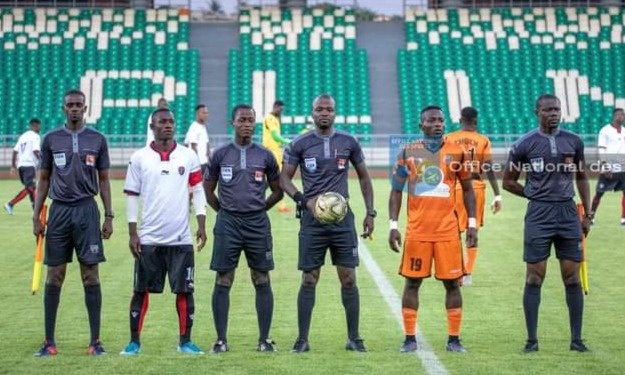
{"type": "Point", "coordinates": [341, 163]}
{"type": "Point", "coordinates": [538, 164]}
{"type": "Point", "coordinates": [226, 174]}
{"type": "Point", "coordinates": [90, 160]}
{"type": "Point", "coordinates": [310, 164]}
{"type": "Point", "coordinates": [258, 176]}
{"type": "Point", "coordinates": [181, 170]}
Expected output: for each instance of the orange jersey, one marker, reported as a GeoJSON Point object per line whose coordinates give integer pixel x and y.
{"type": "Point", "coordinates": [431, 181]}
{"type": "Point", "coordinates": [477, 151]}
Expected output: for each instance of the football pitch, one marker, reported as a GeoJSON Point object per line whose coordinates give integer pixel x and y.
{"type": "Point", "coordinates": [493, 329]}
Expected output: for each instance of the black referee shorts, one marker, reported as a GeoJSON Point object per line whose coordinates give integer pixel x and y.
{"type": "Point", "coordinates": [315, 239]}
{"type": "Point", "coordinates": [75, 226]}
{"type": "Point", "coordinates": [548, 223]}
{"type": "Point", "coordinates": [235, 233]}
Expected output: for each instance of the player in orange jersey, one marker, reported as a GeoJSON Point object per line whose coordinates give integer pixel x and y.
{"type": "Point", "coordinates": [478, 153]}
{"type": "Point", "coordinates": [431, 166]}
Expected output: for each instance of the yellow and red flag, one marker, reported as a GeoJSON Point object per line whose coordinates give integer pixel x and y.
{"type": "Point", "coordinates": [583, 267]}
{"type": "Point", "coordinates": [39, 252]}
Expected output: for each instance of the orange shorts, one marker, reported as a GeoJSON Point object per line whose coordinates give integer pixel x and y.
{"type": "Point", "coordinates": [416, 261]}
{"type": "Point", "coordinates": [480, 202]}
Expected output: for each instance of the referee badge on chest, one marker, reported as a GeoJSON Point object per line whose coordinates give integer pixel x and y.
{"type": "Point", "coordinates": [538, 164]}
{"type": "Point", "coordinates": [226, 174]}
{"type": "Point", "coordinates": [310, 164]}
{"type": "Point", "coordinates": [90, 160]}
{"type": "Point", "coordinates": [59, 159]}
{"type": "Point", "coordinates": [181, 170]}
{"type": "Point", "coordinates": [341, 163]}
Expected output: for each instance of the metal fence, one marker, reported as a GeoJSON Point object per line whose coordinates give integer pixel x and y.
{"type": "Point", "coordinates": [377, 148]}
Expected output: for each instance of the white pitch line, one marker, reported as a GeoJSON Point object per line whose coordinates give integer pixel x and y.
{"type": "Point", "coordinates": [429, 360]}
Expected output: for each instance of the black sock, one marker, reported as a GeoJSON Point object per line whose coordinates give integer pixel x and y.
{"type": "Point", "coordinates": [531, 301]}
{"type": "Point", "coordinates": [51, 300]}
{"type": "Point", "coordinates": [138, 308]}
{"type": "Point", "coordinates": [305, 305]}
{"type": "Point", "coordinates": [351, 302]}
{"type": "Point", "coordinates": [411, 338]}
{"type": "Point", "coordinates": [93, 300]}
{"type": "Point", "coordinates": [185, 306]}
{"type": "Point", "coordinates": [264, 309]}
{"type": "Point", "coordinates": [575, 302]}
{"type": "Point", "coordinates": [221, 306]}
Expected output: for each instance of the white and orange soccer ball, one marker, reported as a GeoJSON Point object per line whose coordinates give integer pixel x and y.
{"type": "Point", "coordinates": [331, 208]}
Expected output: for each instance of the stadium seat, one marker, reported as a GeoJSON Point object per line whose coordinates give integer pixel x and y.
{"type": "Point", "coordinates": [296, 54]}
{"type": "Point", "coordinates": [458, 57]}
{"type": "Point", "coordinates": [111, 54]}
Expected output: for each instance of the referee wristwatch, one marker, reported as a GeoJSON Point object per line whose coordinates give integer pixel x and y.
{"type": "Point", "coordinates": [109, 214]}
{"type": "Point", "coordinates": [372, 213]}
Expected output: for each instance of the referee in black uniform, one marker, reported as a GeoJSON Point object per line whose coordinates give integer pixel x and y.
{"type": "Point", "coordinates": [323, 157]}
{"type": "Point", "coordinates": [243, 170]}
{"type": "Point", "coordinates": [74, 169]}
{"type": "Point", "coordinates": [552, 159]}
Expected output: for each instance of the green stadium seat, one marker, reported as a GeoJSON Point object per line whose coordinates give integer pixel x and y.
{"type": "Point", "coordinates": [507, 53]}
{"type": "Point", "coordinates": [311, 51]}
{"type": "Point", "coordinates": [79, 47]}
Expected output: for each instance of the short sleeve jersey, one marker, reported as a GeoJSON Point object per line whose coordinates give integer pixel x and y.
{"type": "Point", "coordinates": [324, 161]}
{"type": "Point", "coordinates": [197, 134]}
{"type": "Point", "coordinates": [74, 159]}
{"type": "Point", "coordinates": [162, 181]}
{"type": "Point", "coordinates": [26, 145]}
{"type": "Point", "coordinates": [550, 163]}
{"type": "Point", "coordinates": [431, 178]}
{"type": "Point", "coordinates": [271, 123]}
{"type": "Point", "coordinates": [242, 173]}
{"type": "Point", "coordinates": [613, 141]}
{"type": "Point", "coordinates": [477, 149]}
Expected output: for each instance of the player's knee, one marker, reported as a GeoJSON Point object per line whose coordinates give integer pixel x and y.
{"type": "Point", "coordinates": [260, 278]}
{"type": "Point", "coordinates": [309, 279]}
{"type": "Point", "coordinates": [225, 278]}
{"type": "Point", "coordinates": [348, 282]}
{"type": "Point", "coordinates": [534, 280]}
{"type": "Point", "coordinates": [451, 285]}
{"type": "Point", "coordinates": [412, 285]}
{"type": "Point", "coordinates": [571, 280]}
{"type": "Point", "coordinates": [55, 276]}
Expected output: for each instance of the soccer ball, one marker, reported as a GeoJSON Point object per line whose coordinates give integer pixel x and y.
{"type": "Point", "coordinates": [330, 208]}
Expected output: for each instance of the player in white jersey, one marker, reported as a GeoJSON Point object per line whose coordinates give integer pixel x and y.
{"type": "Point", "coordinates": [26, 155]}
{"type": "Point", "coordinates": [611, 147]}
{"type": "Point", "coordinates": [197, 136]}
{"type": "Point", "coordinates": [162, 104]}
{"type": "Point", "coordinates": [162, 175]}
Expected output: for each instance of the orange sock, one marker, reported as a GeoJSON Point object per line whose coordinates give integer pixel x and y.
{"type": "Point", "coordinates": [410, 320]}
{"type": "Point", "coordinates": [471, 255]}
{"type": "Point", "coordinates": [454, 321]}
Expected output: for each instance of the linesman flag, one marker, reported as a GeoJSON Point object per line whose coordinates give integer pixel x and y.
{"type": "Point", "coordinates": [39, 252]}
{"type": "Point", "coordinates": [583, 267]}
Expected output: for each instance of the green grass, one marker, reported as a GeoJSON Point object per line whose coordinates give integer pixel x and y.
{"type": "Point", "coordinates": [493, 326]}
